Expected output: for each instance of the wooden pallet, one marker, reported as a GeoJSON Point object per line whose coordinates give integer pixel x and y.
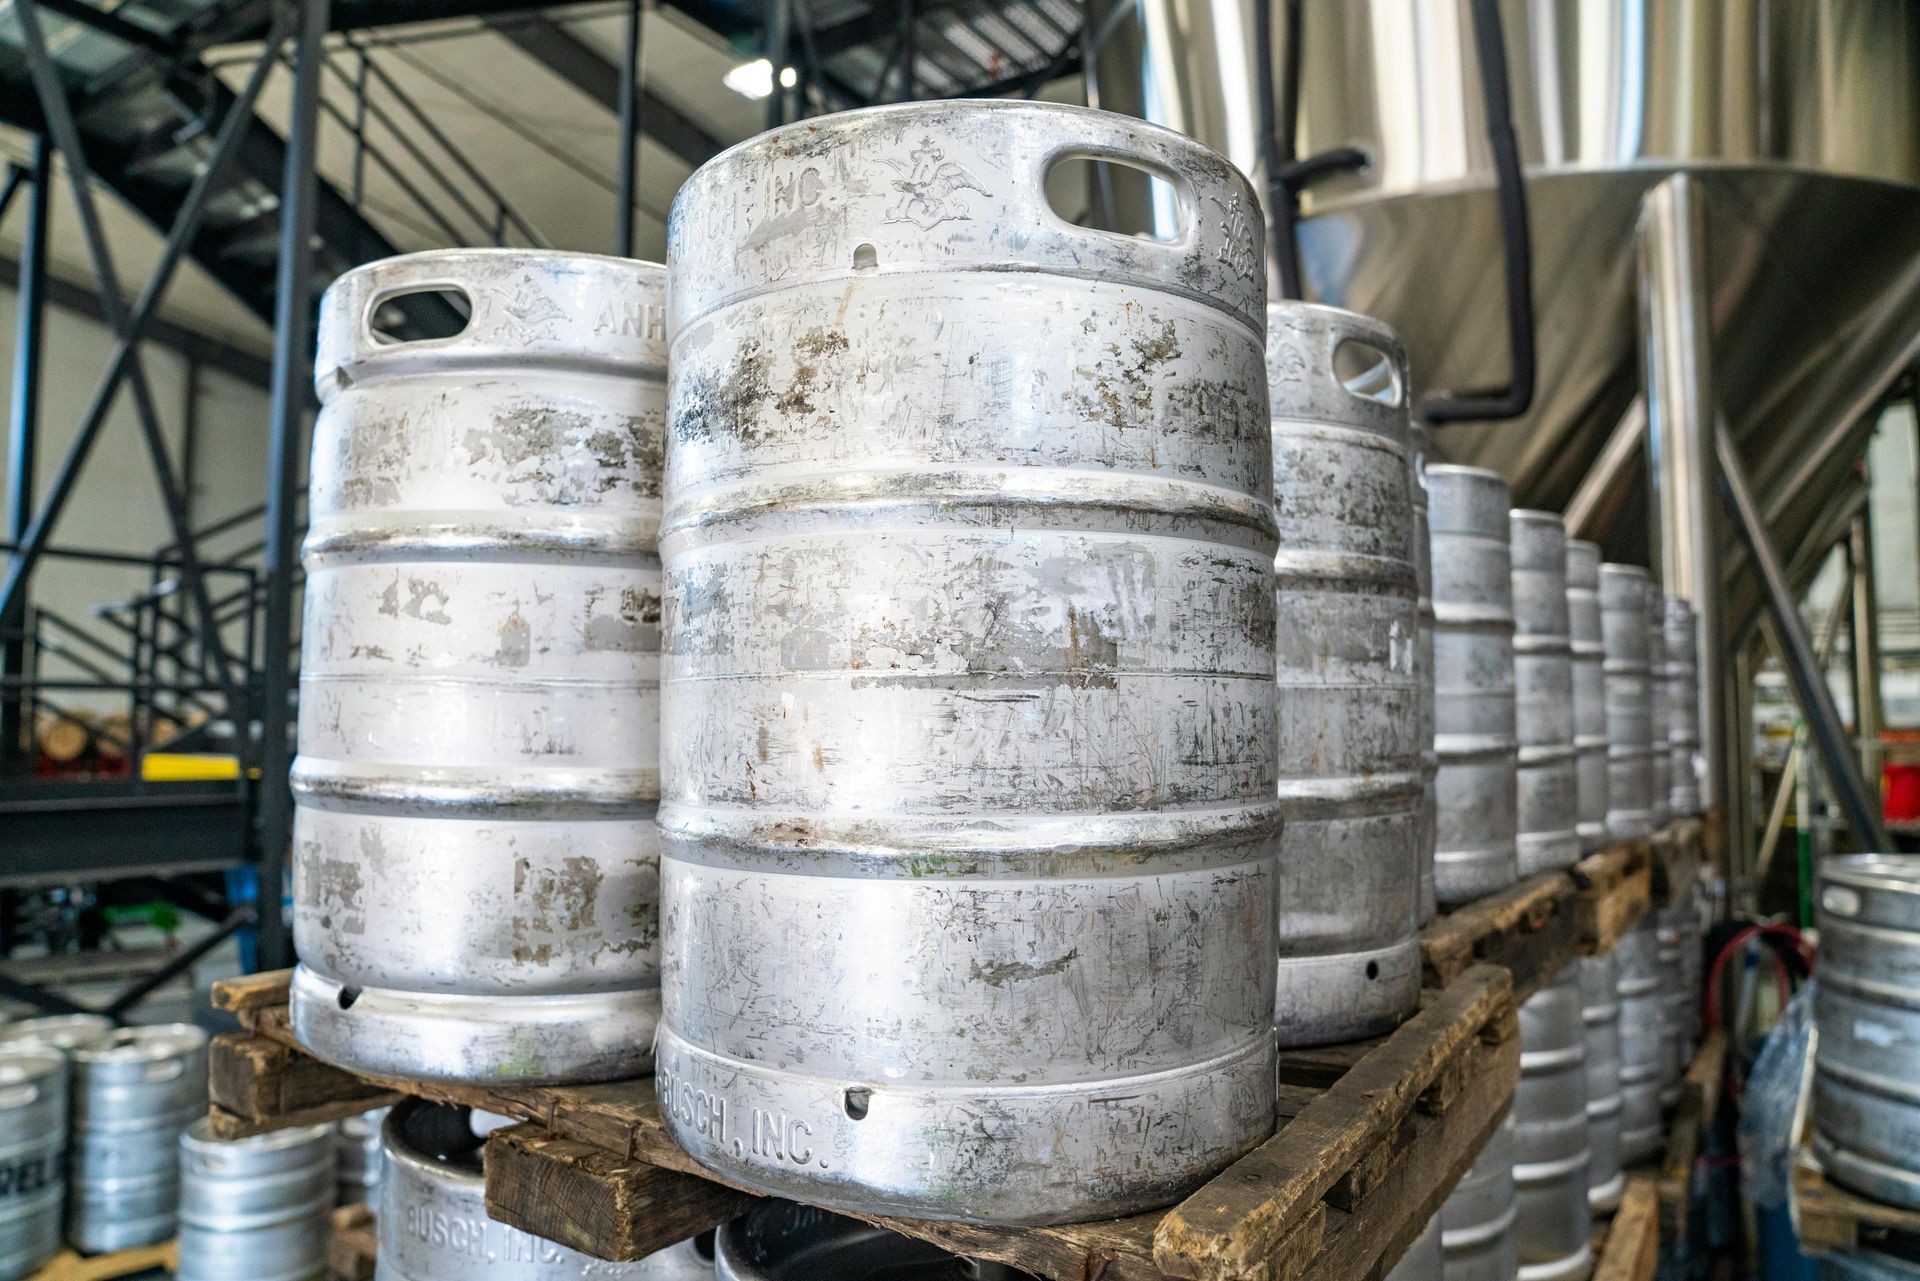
{"type": "Point", "coordinates": [1627, 1247]}
{"type": "Point", "coordinates": [350, 1249]}
{"type": "Point", "coordinates": [1372, 1139]}
{"type": "Point", "coordinates": [1687, 1132]}
{"type": "Point", "coordinates": [68, 1266]}
{"type": "Point", "coordinates": [1833, 1220]}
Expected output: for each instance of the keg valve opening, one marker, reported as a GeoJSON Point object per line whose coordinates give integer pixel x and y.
{"type": "Point", "coordinates": [858, 1099]}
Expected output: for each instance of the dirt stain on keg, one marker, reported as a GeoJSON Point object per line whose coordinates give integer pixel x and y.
{"type": "Point", "coordinates": [1002, 973]}
{"type": "Point", "coordinates": [817, 346]}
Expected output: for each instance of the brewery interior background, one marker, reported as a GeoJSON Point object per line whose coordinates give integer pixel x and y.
{"type": "Point", "coordinates": [1676, 254]}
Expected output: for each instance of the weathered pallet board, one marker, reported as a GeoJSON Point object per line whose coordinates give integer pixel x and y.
{"type": "Point", "coordinates": [1679, 851]}
{"type": "Point", "coordinates": [1833, 1220]}
{"type": "Point", "coordinates": [1631, 1249]}
{"type": "Point", "coordinates": [68, 1266]}
{"type": "Point", "coordinates": [1612, 890]}
{"type": "Point", "coordinates": [1687, 1132]}
{"type": "Point", "coordinates": [1358, 1165]}
{"type": "Point", "coordinates": [351, 1248]}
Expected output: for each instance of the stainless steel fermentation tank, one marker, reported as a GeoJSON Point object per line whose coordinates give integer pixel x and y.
{"type": "Point", "coordinates": [1775, 287]}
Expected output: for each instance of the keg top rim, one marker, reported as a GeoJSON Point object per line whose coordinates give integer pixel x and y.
{"type": "Point", "coordinates": [63, 1033]}
{"type": "Point", "coordinates": [200, 1135]}
{"type": "Point", "coordinates": [638, 266]}
{"type": "Point", "coordinates": [1535, 516]}
{"type": "Point", "coordinates": [133, 1044]}
{"type": "Point", "coordinates": [35, 1058]}
{"type": "Point", "coordinates": [1328, 312]}
{"type": "Point", "coordinates": [1463, 470]}
{"type": "Point", "coordinates": [1895, 872]}
{"type": "Point", "coordinates": [1639, 573]}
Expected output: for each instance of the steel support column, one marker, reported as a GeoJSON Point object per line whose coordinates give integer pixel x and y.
{"type": "Point", "coordinates": [629, 132]}
{"type": "Point", "coordinates": [1677, 370]}
{"type": "Point", "coordinates": [1861, 807]}
{"type": "Point", "coordinates": [1869, 709]}
{"type": "Point", "coordinates": [778, 43]}
{"type": "Point", "coordinates": [23, 441]}
{"type": "Point", "coordinates": [292, 375]}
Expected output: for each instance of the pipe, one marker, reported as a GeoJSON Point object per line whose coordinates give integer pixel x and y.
{"type": "Point", "coordinates": [1605, 482]}
{"type": "Point", "coordinates": [1869, 709]}
{"type": "Point", "coordinates": [1790, 774]}
{"type": "Point", "coordinates": [630, 132]}
{"type": "Point", "coordinates": [23, 443]}
{"type": "Point", "coordinates": [1816, 701]}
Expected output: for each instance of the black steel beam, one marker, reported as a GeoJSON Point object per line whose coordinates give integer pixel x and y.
{"type": "Point", "coordinates": [23, 443]}
{"type": "Point", "coordinates": [55, 832]}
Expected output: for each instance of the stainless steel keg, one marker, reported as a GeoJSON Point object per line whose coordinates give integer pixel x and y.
{"type": "Point", "coordinates": [1659, 753]}
{"type": "Point", "coordinates": [256, 1209]}
{"type": "Point", "coordinates": [1623, 620]}
{"type": "Point", "coordinates": [1675, 934]}
{"type": "Point", "coordinates": [1424, 1259]}
{"type": "Point", "coordinates": [62, 1032]}
{"type": "Point", "coordinates": [476, 870]}
{"type": "Point", "coordinates": [433, 1225]}
{"type": "Point", "coordinates": [782, 1241]}
{"type": "Point", "coordinates": [1550, 1144]}
{"type": "Point", "coordinates": [1866, 1265]}
{"type": "Point", "coordinates": [358, 1159]}
{"type": "Point", "coordinates": [1600, 1019]}
{"type": "Point", "coordinates": [1475, 852]}
{"type": "Point", "coordinates": [1866, 1085]}
{"type": "Point", "coordinates": [969, 813]}
{"type": "Point", "coordinates": [132, 1093]}
{"type": "Point", "coordinates": [33, 1144]}
{"type": "Point", "coordinates": [1349, 696]}
{"type": "Point", "coordinates": [1477, 1221]}
{"type": "Point", "coordinates": [1683, 708]}
{"type": "Point", "coordinates": [1543, 694]}
{"type": "Point", "coordinates": [1423, 666]}
{"type": "Point", "coordinates": [1589, 694]}
{"type": "Point", "coordinates": [1643, 1044]}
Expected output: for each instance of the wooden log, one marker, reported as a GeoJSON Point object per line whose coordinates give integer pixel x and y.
{"type": "Point", "coordinates": [1632, 1250]}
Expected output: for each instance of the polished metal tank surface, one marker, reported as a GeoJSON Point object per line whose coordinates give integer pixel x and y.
{"type": "Point", "coordinates": [1549, 839]}
{"type": "Point", "coordinates": [1349, 695]}
{"type": "Point", "coordinates": [1477, 1220]}
{"type": "Point", "coordinates": [1623, 620]}
{"type": "Point", "coordinates": [1550, 1135]}
{"type": "Point", "coordinates": [1675, 935]}
{"type": "Point", "coordinates": [358, 1159]}
{"type": "Point", "coordinates": [1424, 1259]}
{"type": "Point", "coordinates": [1866, 1084]}
{"type": "Point", "coordinates": [1683, 709]}
{"type": "Point", "coordinates": [970, 813]}
{"type": "Point", "coordinates": [432, 1220]}
{"type": "Point", "coordinates": [132, 1093]}
{"type": "Point", "coordinates": [1423, 665]}
{"type": "Point", "coordinates": [33, 1142]}
{"type": "Point", "coordinates": [1643, 1045]}
{"type": "Point", "coordinates": [782, 1241]}
{"type": "Point", "coordinates": [59, 1031]}
{"type": "Point", "coordinates": [1659, 753]}
{"type": "Point", "coordinates": [256, 1209]}
{"type": "Point", "coordinates": [475, 864]}
{"type": "Point", "coordinates": [1600, 1020]}
{"type": "Point", "coordinates": [1589, 694]}
{"type": "Point", "coordinates": [1475, 851]}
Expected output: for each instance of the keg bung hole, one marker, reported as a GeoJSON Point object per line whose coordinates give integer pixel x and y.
{"type": "Point", "coordinates": [858, 1099]}
{"type": "Point", "coordinates": [348, 995]}
{"type": "Point", "coordinates": [1118, 197]}
{"type": "Point", "coordinates": [1373, 969]}
{"type": "Point", "coordinates": [866, 258]}
{"type": "Point", "coordinates": [433, 313]}
{"type": "Point", "coordinates": [1367, 372]}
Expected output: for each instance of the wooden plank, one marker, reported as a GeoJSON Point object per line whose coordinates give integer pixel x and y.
{"type": "Point", "coordinates": [1614, 888]}
{"type": "Point", "coordinates": [1632, 1251]}
{"type": "Point", "coordinates": [258, 1084]}
{"type": "Point", "coordinates": [351, 1248]}
{"type": "Point", "coordinates": [1833, 1220]}
{"type": "Point", "coordinates": [1677, 851]}
{"type": "Point", "coordinates": [68, 1266]}
{"type": "Point", "coordinates": [252, 991]}
{"type": "Point", "coordinates": [1531, 930]}
{"type": "Point", "coordinates": [1692, 1119]}
{"type": "Point", "coordinates": [596, 1201]}
{"type": "Point", "coordinates": [1237, 1222]}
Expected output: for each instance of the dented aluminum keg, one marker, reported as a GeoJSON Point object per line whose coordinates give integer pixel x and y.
{"type": "Point", "coordinates": [1589, 694]}
{"type": "Point", "coordinates": [358, 1159]}
{"type": "Point", "coordinates": [1349, 696]}
{"type": "Point", "coordinates": [33, 1143]}
{"type": "Point", "coordinates": [256, 1209]}
{"type": "Point", "coordinates": [1623, 621]}
{"type": "Point", "coordinates": [1475, 853]}
{"type": "Point", "coordinates": [969, 812]}
{"type": "Point", "coordinates": [1477, 1221]}
{"type": "Point", "coordinates": [1866, 1084]}
{"type": "Point", "coordinates": [1422, 443]}
{"type": "Point", "coordinates": [1550, 1145]}
{"type": "Point", "coordinates": [782, 1241]}
{"type": "Point", "coordinates": [1643, 1044]}
{"type": "Point", "coordinates": [433, 1223]}
{"type": "Point", "coordinates": [132, 1093]}
{"type": "Point", "coordinates": [64, 1032]}
{"type": "Point", "coordinates": [1659, 754]}
{"type": "Point", "coordinates": [1683, 709]}
{"type": "Point", "coordinates": [1600, 1018]}
{"type": "Point", "coordinates": [475, 864]}
{"type": "Point", "coordinates": [1424, 1259]}
{"type": "Point", "coordinates": [1543, 694]}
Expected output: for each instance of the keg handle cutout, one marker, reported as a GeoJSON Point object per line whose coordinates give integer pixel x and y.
{"type": "Point", "coordinates": [1127, 197]}
{"type": "Point", "coordinates": [427, 311]}
{"type": "Point", "coordinates": [1367, 372]}
{"type": "Point", "coordinates": [165, 1070]}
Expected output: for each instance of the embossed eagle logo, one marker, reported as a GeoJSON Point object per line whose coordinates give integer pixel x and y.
{"type": "Point", "coordinates": [1236, 252]}
{"type": "Point", "coordinates": [529, 314]}
{"type": "Point", "coordinates": [929, 190]}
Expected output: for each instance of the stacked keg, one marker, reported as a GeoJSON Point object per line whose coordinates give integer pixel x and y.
{"type": "Point", "coordinates": [1683, 708]}
{"type": "Point", "coordinates": [782, 1241]}
{"type": "Point", "coordinates": [1550, 1143]}
{"type": "Point", "coordinates": [433, 1223]}
{"type": "Point", "coordinates": [479, 707]}
{"type": "Point", "coordinates": [1600, 1017]}
{"type": "Point", "coordinates": [1866, 1085]}
{"type": "Point", "coordinates": [1644, 1049]}
{"type": "Point", "coordinates": [1425, 1259]}
{"type": "Point", "coordinates": [132, 1094]}
{"type": "Point", "coordinates": [357, 1157]}
{"type": "Point", "coordinates": [1476, 789]}
{"type": "Point", "coordinates": [969, 675]}
{"type": "Point", "coordinates": [63, 1032]}
{"type": "Point", "coordinates": [1623, 625]}
{"type": "Point", "coordinates": [33, 1140]}
{"type": "Point", "coordinates": [1477, 1222]}
{"type": "Point", "coordinates": [1543, 694]}
{"type": "Point", "coordinates": [1349, 697]}
{"type": "Point", "coordinates": [1659, 752]}
{"type": "Point", "coordinates": [1589, 694]}
{"type": "Point", "coordinates": [1676, 949]}
{"type": "Point", "coordinates": [255, 1209]}
{"type": "Point", "coordinates": [1423, 667]}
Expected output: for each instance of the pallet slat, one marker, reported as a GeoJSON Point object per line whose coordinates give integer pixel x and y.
{"type": "Point", "coordinates": [1687, 1132]}
{"type": "Point", "coordinates": [1833, 1220]}
{"type": "Point", "coordinates": [1632, 1248]}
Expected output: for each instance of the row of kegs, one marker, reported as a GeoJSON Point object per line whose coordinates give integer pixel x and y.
{"type": "Point", "coordinates": [946, 690]}
{"type": "Point", "coordinates": [104, 1145]}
